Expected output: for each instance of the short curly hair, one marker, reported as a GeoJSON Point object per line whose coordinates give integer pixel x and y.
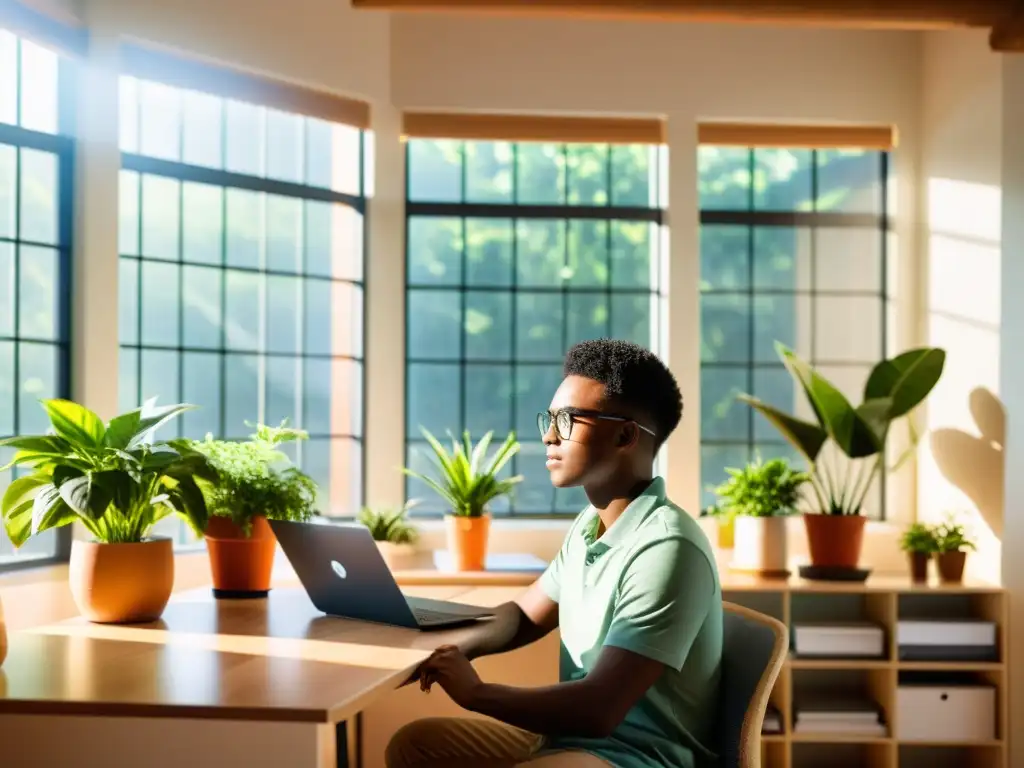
{"type": "Point", "coordinates": [633, 377]}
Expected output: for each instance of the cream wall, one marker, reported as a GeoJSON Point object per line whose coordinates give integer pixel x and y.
{"type": "Point", "coordinates": [961, 242]}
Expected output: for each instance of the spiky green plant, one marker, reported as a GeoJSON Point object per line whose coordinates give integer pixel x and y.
{"type": "Point", "coordinates": [390, 524]}
{"type": "Point", "coordinates": [466, 480]}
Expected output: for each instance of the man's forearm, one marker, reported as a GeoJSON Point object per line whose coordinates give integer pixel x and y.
{"type": "Point", "coordinates": [565, 709]}
{"type": "Point", "coordinates": [509, 629]}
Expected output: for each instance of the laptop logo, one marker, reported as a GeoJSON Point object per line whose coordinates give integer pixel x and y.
{"type": "Point", "coordinates": [339, 569]}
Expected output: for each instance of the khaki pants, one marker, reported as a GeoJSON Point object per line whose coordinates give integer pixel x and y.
{"type": "Point", "coordinates": [449, 742]}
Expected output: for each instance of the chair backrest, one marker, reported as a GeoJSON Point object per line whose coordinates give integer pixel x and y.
{"type": "Point", "coordinates": [754, 651]}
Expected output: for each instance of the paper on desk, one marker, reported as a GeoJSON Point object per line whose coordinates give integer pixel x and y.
{"type": "Point", "coordinates": [499, 561]}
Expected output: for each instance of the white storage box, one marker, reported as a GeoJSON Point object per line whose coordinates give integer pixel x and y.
{"type": "Point", "coordinates": [947, 713]}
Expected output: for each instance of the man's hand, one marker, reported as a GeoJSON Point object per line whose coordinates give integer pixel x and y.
{"type": "Point", "coordinates": [450, 669]}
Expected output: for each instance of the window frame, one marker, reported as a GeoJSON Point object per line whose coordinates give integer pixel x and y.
{"type": "Point", "coordinates": [62, 145]}
{"type": "Point", "coordinates": [515, 212]}
{"type": "Point", "coordinates": [224, 180]}
{"type": "Point", "coordinates": [751, 219]}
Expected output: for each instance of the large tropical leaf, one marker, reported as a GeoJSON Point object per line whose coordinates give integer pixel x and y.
{"type": "Point", "coordinates": [906, 379]}
{"type": "Point", "coordinates": [49, 510]}
{"type": "Point", "coordinates": [75, 423]}
{"type": "Point", "coordinates": [86, 497]}
{"type": "Point", "coordinates": [807, 438]}
{"type": "Point", "coordinates": [38, 444]}
{"type": "Point", "coordinates": [16, 506]}
{"type": "Point", "coordinates": [845, 425]}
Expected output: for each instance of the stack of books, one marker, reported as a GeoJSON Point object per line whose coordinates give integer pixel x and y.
{"type": "Point", "coordinates": [858, 640]}
{"type": "Point", "coordinates": [852, 716]}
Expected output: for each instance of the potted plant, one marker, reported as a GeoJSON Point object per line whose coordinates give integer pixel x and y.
{"type": "Point", "coordinates": [396, 537]}
{"type": "Point", "coordinates": [951, 547]}
{"type": "Point", "coordinates": [468, 482]}
{"type": "Point", "coordinates": [919, 542]}
{"type": "Point", "coordinates": [760, 497]}
{"type": "Point", "coordinates": [117, 482]}
{"type": "Point", "coordinates": [835, 530]}
{"type": "Point", "coordinates": [255, 483]}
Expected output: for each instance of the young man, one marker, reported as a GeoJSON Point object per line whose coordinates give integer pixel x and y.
{"type": "Point", "coordinates": [634, 592]}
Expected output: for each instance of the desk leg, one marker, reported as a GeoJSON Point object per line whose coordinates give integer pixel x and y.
{"type": "Point", "coordinates": [28, 741]}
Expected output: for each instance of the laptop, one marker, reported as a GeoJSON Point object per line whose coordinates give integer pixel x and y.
{"type": "Point", "coordinates": [345, 575]}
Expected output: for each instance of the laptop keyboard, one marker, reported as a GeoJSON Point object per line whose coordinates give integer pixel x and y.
{"type": "Point", "coordinates": [427, 616]}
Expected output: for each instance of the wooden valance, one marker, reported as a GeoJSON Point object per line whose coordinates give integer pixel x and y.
{"type": "Point", "coordinates": [876, 137]}
{"type": "Point", "coordinates": [499, 127]}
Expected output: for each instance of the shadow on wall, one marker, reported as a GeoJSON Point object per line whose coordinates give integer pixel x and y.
{"type": "Point", "coordinates": [973, 464]}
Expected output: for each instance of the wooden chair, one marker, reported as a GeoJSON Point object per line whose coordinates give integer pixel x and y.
{"type": "Point", "coordinates": [754, 651]}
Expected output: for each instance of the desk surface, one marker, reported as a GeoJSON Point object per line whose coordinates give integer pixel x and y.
{"type": "Point", "coordinates": [277, 659]}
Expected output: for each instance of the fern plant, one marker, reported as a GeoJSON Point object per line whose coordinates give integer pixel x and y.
{"type": "Point", "coordinates": [762, 489]}
{"type": "Point", "coordinates": [466, 479]}
{"type": "Point", "coordinates": [254, 477]}
{"type": "Point", "coordinates": [390, 524]}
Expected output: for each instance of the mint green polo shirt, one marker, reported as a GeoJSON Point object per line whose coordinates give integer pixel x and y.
{"type": "Point", "coordinates": [648, 585]}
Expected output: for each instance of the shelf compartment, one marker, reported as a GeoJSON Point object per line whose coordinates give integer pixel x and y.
{"type": "Point", "coordinates": [928, 756]}
{"type": "Point", "coordinates": [940, 606]}
{"type": "Point", "coordinates": [881, 755]}
{"type": "Point", "coordinates": [828, 686]}
{"type": "Point", "coordinates": [948, 707]}
{"type": "Point", "coordinates": [874, 609]}
{"type": "Point", "coordinates": [774, 752]}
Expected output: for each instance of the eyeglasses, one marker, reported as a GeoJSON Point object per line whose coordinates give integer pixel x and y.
{"type": "Point", "coordinates": [564, 418]}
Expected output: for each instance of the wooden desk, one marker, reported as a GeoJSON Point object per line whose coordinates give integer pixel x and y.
{"type": "Point", "coordinates": [182, 690]}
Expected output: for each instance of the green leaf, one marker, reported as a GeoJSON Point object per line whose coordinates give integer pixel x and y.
{"type": "Point", "coordinates": [152, 417]}
{"type": "Point", "coordinates": [191, 504]}
{"type": "Point", "coordinates": [51, 444]}
{"type": "Point", "coordinates": [49, 510]}
{"type": "Point", "coordinates": [845, 425]}
{"type": "Point", "coordinates": [17, 504]}
{"type": "Point", "coordinates": [906, 379]}
{"type": "Point", "coordinates": [807, 438]}
{"type": "Point", "coordinates": [85, 497]}
{"type": "Point", "coordinates": [122, 429]}
{"type": "Point", "coordinates": [76, 423]}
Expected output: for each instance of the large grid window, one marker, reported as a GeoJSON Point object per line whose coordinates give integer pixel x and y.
{"type": "Point", "coordinates": [241, 277]}
{"type": "Point", "coordinates": [35, 250]}
{"type": "Point", "coordinates": [794, 246]}
{"type": "Point", "coordinates": [516, 251]}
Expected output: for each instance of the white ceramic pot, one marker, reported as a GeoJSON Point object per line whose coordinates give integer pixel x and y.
{"type": "Point", "coordinates": [398, 556]}
{"type": "Point", "coordinates": [759, 544]}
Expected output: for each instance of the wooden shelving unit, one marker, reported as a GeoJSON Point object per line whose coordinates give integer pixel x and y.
{"type": "Point", "coordinates": [883, 600]}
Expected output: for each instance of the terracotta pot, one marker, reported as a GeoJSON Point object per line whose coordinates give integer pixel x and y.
{"type": "Point", "coordinates": [397, 556]}
{"type": "Point", "coordinates": [919, 566]}
{"type": "Point", "coordinates": [951, 566]}
{"type": "Point", "coordinates": [760, 545]}
{"type": "Point", "coordinates": [467, 541]}
{"type": "Point", "coordinates": [3, 635]}
{"type": "Point", "coordinates": [240, 565]}
{"type": "Point", "coordinates": [121, 583]}
{"type": "Point", "coordinates": [834, 540]}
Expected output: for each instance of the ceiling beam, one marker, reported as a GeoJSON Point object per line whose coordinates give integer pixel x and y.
{"type": "Point", "coordinates": [894, 14]}
{"type": "Point", "coordinates": [1007, 36]}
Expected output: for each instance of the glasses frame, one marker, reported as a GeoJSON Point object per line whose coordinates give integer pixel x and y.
{"type": "Point", "coordinates": [552, 418]}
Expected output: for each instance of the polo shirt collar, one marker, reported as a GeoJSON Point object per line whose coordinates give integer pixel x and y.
{"type": "Point", "coordinates": [652, 497]}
